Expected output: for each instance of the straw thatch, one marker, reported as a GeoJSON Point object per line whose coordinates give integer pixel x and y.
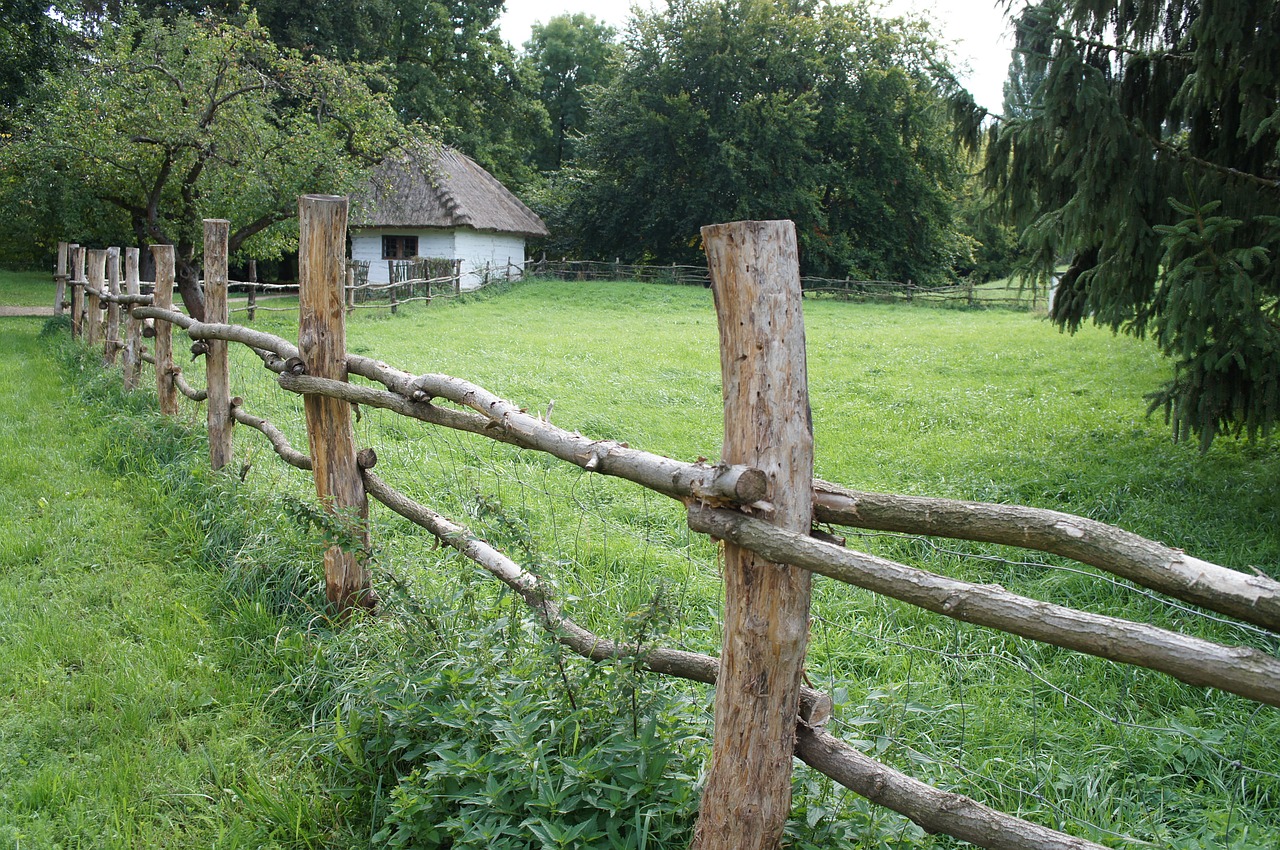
{"type": "Point", "coordinates": [430, 186]}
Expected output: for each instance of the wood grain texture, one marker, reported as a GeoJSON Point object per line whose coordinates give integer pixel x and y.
{"type": "Point", "coordinates": [755, 278]}
{"type": "Point", "coordinates": [78, 257]}
{"type": "Point", "coordinates": [165, 386]}
{"type": "Point", "coordinates": [92, 325]}
{"type": "Point", "coordinates": [111, 344]}
{"type": "Point", "coordinates": [216, 362]}
{"type": "Point", "coordinates": [60, 279]}
{"type": "Point", "coordinates": [131, 353]}
{"type": "Point", "coordinates": [322, 222]}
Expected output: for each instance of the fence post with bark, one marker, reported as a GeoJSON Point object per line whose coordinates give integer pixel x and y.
{"type": "Point", "coordinates": [77, 290]}
{"type": "Point", "coordinates": [756, 285]}
{"type": "Point", "coordinates": [60, 279]}
{"type": "Point", "coordinates": [166, 387]}
{"type": "Point", "coordinates": [216, 362]}
{"type": "Point", "coordinates": [111, 346]}
{"type": "Point", "coordinates": [132, 351]}
{"type": "Point", "coordinates": [93, 308]}
{"type": "Point", "coordinates": [322, 344]}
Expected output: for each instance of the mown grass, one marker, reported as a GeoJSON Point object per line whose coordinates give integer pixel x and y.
{"type": "Point", "coordinates": [26, 289]}
{"type": "Point", "coordinates": [987, 405]}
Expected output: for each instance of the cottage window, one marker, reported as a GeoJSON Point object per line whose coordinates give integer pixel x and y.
{"type": "Point", "coordinates": [399, 247]}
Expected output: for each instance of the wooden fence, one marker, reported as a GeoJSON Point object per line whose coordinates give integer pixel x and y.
{"type": "Point", "coordinates": [960, 294]}
{"type": "Point", "coordinates": [761, 500]}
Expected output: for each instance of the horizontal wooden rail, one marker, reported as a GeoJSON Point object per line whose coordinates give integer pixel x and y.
{"type": "Point", "coordinates": [678, 479]}
{"type": "Point", "coordinates": [274, 435]}
{"type": "Point", "coordinates": [934, 809]}
{"type": "Point", "coordinates": [1238, 670]}
{"type": "Point", "coordinates": [1251, 598]}
{"type": "Point", "coordinates": [186, 389]}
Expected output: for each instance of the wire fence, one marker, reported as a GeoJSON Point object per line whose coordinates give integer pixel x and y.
{"type": "Point", "coordinates": [911, 691]}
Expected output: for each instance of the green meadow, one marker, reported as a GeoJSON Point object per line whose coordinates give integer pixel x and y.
{"type": "Point", "coordinates": [452, 722]}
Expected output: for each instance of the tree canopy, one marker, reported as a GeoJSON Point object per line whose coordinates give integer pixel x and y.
{"type": "Point", "coordinates": [567, 56]}
{"type": "Point", "coordinates": [736, 109]}
{"type": "Point", "coordinates": [170, 122]}
{"type": "Point", "coordinates": [1145, 152]}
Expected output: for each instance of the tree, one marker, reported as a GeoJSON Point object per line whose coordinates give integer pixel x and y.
{"type": "Point", "coordinates": [450, 68]}
{"type": "Point", "coordinates": [737, 109]}
{"type": "Point", "coordinates": [31, 42]}
{"type": "Point", "coordinates": [172, 122]}
{"type": "Point", "coordinates": [567, 55]}
{"type": "Point", "coordinates": [1149, 158]}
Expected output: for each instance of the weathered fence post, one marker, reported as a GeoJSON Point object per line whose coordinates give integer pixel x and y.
{"type": "Point", "coordinates": [111, 347]}
{"type": "Point", "coordinates": [60, 279]}
{"type": "Point", "coordinates": [322, 343]}
{"type": "Point", "coordinates": [93, 309]}
{"type": "Point", "coordinates": [351, 289]}
{"type": "Point", "coordinates": [253, 289]}
{"type": "Point", "coordinates": [755, 279]}
{"type": "Point", "coordinates": [77, 290]}
{"type": "Point", "coordinates": [457, 276]}
{"type": "Point", "coordinates": [165, 386]}
{"type": "Point", "coordinates": [133, 338]}
{"type": "Point", "coordinates": [216, 363]}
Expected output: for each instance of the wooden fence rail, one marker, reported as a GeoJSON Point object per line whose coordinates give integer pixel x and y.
{"type": "Point", "coordinates": [747, 503]}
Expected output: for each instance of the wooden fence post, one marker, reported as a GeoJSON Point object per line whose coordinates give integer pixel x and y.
{"type": "Point", "coordinates": [457, 276]}
{"type": "Point", "coordinates": [216, 363]}
{"type": "Point", "coordinates": [755, 279]}
{"type": "Point", "coordinates": [133, 338]}
{"type": "Point", "coordinates": [351, 289]}
{"type": "Point", "coordinates": [322, 343]}
{"type": "Point", "coordinates": [165, 386]}
{"type": "Point", "coordinates": [93, 308]}
{"type": "Point", "coordinates": [253, 289]}
{"type": "Point", "coordinates": [60, 279]}
{"type": "Point", "coordinates": [77, 290]}
{"type": "Point", "coordinates": [111, 347]}
{"type": "Point", "coordinates": [391, 275]}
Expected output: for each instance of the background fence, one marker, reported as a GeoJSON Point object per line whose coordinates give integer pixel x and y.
{"type": "Point", "coordinates": [710, 494]}
{"type": "Point", "coordinates": [966, 293]}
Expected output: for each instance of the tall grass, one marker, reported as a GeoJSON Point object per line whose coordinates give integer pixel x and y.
{"type": "Point", "coordinates": [134, 690]}
{"type": "Point", "coordinates": [986, 405]}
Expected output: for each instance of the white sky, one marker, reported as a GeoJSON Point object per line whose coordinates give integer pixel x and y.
{"type": "Point", "coordinates": [977, 30]}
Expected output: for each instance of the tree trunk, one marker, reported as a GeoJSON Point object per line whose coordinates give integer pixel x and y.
{"type": "Point", "coordinates": [188, 282]}
{"type": "Point", "coordinates": [755, 277]}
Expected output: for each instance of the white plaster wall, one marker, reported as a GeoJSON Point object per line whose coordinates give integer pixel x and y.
{"type": "Point", "coordinates": [366, 244]}
{"type": "Point", "coordinates": [477, 247]}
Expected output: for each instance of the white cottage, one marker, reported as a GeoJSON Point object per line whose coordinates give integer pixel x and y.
{"type": "Point", "coordinates": [437, 202]}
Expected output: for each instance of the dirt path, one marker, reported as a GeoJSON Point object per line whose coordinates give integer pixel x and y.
{"type": "Point", "coordinates": [26, 311]}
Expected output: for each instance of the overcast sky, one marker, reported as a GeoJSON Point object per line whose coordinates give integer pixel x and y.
{"type": "Point", "coordinates": [976, 29]}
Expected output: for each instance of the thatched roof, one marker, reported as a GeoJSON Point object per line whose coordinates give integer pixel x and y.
{"type": "Point", "coordinates": [425, 186]}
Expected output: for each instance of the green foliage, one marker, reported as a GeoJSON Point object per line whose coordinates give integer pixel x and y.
{"type": "Point", "coordinates": [735, 109]}
{"type": "Point", "coordinates": [568, 55]}
{"type": "Point", "coordinates": [194, 118]}
{"type": "Point", "coordinates": [1145, 150]}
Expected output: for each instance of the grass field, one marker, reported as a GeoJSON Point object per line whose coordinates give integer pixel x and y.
{"type": "Point", "coordinates": [987, 405]}
{"type": "Point", "coordinates": [26, 289]}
